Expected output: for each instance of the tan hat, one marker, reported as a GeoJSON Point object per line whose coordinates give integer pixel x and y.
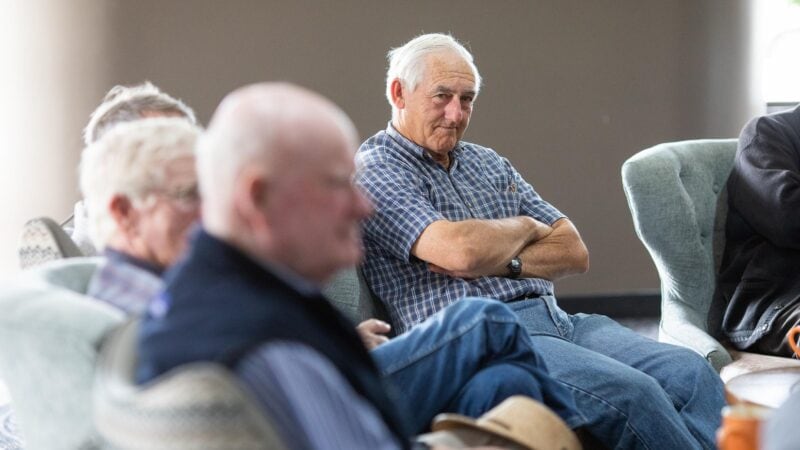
{"type": "Point", "coordinates": [518, 419]}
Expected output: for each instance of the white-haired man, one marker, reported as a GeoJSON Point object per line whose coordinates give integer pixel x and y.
{"type": "Point", "coordinates": [120, 105]}
{"type": "Point", "coordinates": [454, 219]}
{"type": "Point", "coordinates": [140, 189]}
{"type": "Point", "coordinates": [280, 217]}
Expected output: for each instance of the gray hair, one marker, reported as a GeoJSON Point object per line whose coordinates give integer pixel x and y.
{"type": "Point", "coordinates": [128, 103]}
{"type": "Point", "coordinates": [406, 63]}
{"type": "Point", "coordinates": [130, 160]}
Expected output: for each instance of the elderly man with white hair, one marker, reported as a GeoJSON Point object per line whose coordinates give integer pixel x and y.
{"type": "Point", "coordinates": [140, 187]}
{"type": "Point", "coordinates": [122, 104]}
{"type": "Point", "coordinates": [454, 219]}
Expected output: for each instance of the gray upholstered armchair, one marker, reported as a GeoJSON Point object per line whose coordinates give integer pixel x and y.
{"type": "Point", "coordinates": [677, 197]}
{"type": "Point", "coordinates": [50, 333]}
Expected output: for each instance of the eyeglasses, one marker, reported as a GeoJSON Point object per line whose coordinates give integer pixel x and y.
{"type": "Point", "coordinates": [185, 194]}
{"type": "Point", "coordinates": [185, 197]}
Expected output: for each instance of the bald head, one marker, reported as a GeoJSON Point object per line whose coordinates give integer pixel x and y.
{"type": "Point", "coordinates": [271, 152]}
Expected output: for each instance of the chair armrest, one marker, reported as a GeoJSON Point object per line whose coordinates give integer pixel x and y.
{"type": "Point", "coordinates": [692, 337]}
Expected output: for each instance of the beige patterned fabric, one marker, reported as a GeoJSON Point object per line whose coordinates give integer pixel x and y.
{"type": "Point", "coordinates": [197, 406]}
{"type": "Point", "coordinates": [43, 240]}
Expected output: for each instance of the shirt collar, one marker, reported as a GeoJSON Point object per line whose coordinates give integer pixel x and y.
{"type": "Point", "coordinates": [291, 278]}
{"type": "Point", "coordinates": [118, 256]}
{"type": "Point", "coordinates": [416, 149]}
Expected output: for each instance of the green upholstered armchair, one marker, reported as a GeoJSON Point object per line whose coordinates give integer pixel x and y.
{"type": "Point", "coordinates": [349, 292]}
{"type": "Point", "coordinates": [50, 333]}
{"type": "Point", "coordinates": [677, 197]}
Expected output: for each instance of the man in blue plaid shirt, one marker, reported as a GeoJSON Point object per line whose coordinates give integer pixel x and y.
{"type": "Point", "coordinates": [454, 219]}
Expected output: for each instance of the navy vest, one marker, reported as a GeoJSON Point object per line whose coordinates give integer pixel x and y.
{"type": "Point", "coordinates": [222, 304]}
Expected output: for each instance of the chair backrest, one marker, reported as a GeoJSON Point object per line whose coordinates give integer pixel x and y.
{"type": "Point", "coordinates": [43, 240]}
{"type": "Point", "coordinates": [676, 194]}
{"type": "Point", "coordinates": [196, 406]}
{"type": "Point", "coordinates": [50, 334]}
{"type": "Point", "coordinates": [349, 292]}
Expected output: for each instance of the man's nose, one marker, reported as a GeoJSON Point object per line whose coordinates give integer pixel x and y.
{"type": "Point", "coordinates": [453, 111]}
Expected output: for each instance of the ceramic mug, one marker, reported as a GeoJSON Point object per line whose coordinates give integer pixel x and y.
{"type": "Point", "coordinates": [792, 337]}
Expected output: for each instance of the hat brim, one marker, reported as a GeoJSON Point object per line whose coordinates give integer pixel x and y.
{"type": "Point", "coordinates": [448, 421]}
{"type": "Point", "coordinates": [548, 430]}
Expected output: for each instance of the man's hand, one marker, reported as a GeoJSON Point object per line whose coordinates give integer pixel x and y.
{"type": "Point", "coordinates": [555, 252]}
{"type": "Point", "coordinates": [372, 332]}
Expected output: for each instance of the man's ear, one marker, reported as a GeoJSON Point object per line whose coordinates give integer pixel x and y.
{"type": "Point", "coordinates": [251, 197]}
{"type": "Point", "coordinates": [123, 212]}
{"type": "Point", "coordinates": [398, 94]}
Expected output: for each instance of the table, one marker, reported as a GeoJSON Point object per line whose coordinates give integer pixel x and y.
{"type": "Point", "coordinates": [768, 388]}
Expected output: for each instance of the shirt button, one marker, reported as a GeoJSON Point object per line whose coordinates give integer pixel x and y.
{"type": "Point", "coordinates": [777, 307]}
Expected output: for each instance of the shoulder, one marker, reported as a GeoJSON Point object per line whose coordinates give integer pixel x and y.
{"type": "Point", "coordinates": [782, 127]}
{"type": "Point", "coordinates": [378, 140]}
{"type": "Point", "coordinates": [379, 149]}
{"type": "Point", "coordinates": [118, 276]}
{"type": "Point", "coordinates": [380, 159]}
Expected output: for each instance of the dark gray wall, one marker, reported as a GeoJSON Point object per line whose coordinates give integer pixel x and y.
{"type": "Point", "coordinates": [572, 88]}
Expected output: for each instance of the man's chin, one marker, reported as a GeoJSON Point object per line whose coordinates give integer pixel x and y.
{"type": "Point", "coordinates": [445, 145]}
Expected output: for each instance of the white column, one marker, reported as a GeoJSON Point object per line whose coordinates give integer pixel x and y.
{"type": "Point", "coordinates": [52, 54]}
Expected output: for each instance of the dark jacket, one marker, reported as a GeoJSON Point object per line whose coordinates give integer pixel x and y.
{"type": "Point", "coordinates": [220, 304]}
{"type": "Point", "coordinates": [760, 270]}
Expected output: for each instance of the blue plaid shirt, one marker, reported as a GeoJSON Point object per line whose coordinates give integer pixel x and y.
{"type": "Point", "coordinates": [125, 282]}
{"type": "Point", "coordinates": [410, 191]}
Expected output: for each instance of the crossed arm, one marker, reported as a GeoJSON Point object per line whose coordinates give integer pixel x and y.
{"type": "Point", "coordinates": [474, 248]}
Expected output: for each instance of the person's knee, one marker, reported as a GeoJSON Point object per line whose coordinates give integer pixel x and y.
{"type": "Point", "coordinates": [692, 374]}
{"type": "Point", "coordinates": [493, 384]}
{"type": "Point", "coordinates": [634, 391]}
{"type": "Point", "coordinates": [507, 380]}
{"type": "Point", "coordinates": [690, 367]}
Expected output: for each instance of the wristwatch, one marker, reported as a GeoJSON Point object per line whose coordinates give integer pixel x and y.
{"type": "Point", "coordinates": [514, 268]}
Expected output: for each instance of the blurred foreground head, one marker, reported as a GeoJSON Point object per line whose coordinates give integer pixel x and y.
{"type": "Point", "coordinates": [275, 169]}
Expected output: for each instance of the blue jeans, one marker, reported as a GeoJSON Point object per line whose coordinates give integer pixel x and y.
{"type": "Point", "coordinates": [635, 393]}
{"type": "Point", "coordinates": [466, 359]}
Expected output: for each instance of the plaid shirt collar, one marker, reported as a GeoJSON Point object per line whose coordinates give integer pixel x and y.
{"type": "Point", "coordinates": [418, 150]}
{"type": "Point", "coordinates": [121, 257]}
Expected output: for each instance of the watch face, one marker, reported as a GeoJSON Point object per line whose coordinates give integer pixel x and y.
{"type": "Point", "coordinates": [515, 267]}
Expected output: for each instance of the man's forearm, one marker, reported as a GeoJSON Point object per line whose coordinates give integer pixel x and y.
{"type": "Point", "coordinates": [558, 255]}
{"type": "Point", "coordinates": [473, 248]}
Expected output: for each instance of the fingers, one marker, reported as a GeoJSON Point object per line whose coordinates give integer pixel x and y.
{"type": "Point", "coordinates": [374, 326]}
{"type": "Point", "coordinates": [372, 332]}
{"type": "Point", "coordinates": [373, 341]}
